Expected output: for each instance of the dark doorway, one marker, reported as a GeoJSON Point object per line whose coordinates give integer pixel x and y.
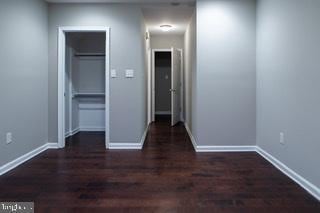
{"type": "Point", "coordinates": [162, 85]}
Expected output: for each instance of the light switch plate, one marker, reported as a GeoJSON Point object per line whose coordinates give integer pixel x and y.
{"type": "Point", "coordinates": [129, 73]}
{"type": "Point", "coordinates": [282, 138]}
{"type": "Point", "coordinates": [8, 137]}
{"type": "Point", "coordinates": [113, 73]}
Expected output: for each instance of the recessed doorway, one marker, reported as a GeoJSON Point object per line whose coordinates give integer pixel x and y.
{"type": "Point", "coordinates": [167, 85]}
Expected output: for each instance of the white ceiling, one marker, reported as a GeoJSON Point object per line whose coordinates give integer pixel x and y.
{"type": "Point", "coordinates": [156, 13]}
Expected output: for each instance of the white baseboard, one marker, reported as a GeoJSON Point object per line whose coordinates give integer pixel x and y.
{"type": "Point", "coordinates": [163, 112]}
{"type": "Point", "coordinates": [73, 132]}
{"type": "Point", "coordinates": [52, 145]}
{"type": "Point", "coordinates": [311, 188]}
{"type": "Point", "coordinates": [144, 136]}
{"type": "Point", "coordinates": [91, 129]}
{"type": "Point", "coordinates": [193, 141]}
{"type": "Point", "coordinates": [226, 148]}
{"type": "Point", "coordinates": [20, 160]}
{"type": "Point", "coordinates": [308, 186]}
{"type": "Point", "coordinates": [131, 145]}
{"type": "Point", "coordinates": [125, 146]}
{"type": "Point", "coordinates": [84, 129]}
{"type": "Point", "coordinates": [67, 134]}
{"type": "Point", "coordinates": [198, 148]}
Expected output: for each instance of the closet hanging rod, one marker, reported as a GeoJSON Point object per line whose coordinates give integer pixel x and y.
{"type": "Point", "coordinates": [88, 94]}
{"type": "Point", "coordinates": [90, 54]}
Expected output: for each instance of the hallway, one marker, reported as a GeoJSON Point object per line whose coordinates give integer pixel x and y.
{"type": "Point", "coordinates": [166, 176]}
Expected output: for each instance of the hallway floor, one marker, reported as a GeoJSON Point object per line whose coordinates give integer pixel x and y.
{"type": "Point", "coordinates": [166, 176]}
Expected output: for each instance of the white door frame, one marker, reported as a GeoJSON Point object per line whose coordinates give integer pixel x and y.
{"type": "Point", "coordinates": [149, 61]}
{"type": "Point", "coordinates": [61, 78]}
{"type": "Point", "coordinates": [71, 52]}
{"type": "Point", "coordinates": [151, 106]}
{"type": "Point", "coordinates": [181, 86]}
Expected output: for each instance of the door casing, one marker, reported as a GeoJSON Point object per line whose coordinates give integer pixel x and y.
{"type": "Point", "coordinates": [151, 88]}
{"type": "Point", "coordinates": [61, 78]}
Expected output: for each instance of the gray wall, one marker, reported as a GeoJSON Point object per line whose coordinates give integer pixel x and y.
{"type": "Point", "coordinates": [166, 41]}
{"type": "Point", "coordinates": [190, 53]}
{"type": "Point", "coordinates": [226, 83]}
{"type": "Point", "coordinates": [128, 96]}
{"type": "Point", "coordinates": [288, 86]}
{"type": "Point", "coordinates": [24, 76]}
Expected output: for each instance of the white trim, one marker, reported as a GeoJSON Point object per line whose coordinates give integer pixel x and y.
{"type": "Point", "coordinates": [198, 148]}
{"type": "Point", "coordinates": [163, 113]}
{"type": "Point", "coordinates": [73, 132]}
{"type": "Point", "coordinates": [52, 145]}
{"type": "Point", "coordinates": [182, 110]}
{"type": "Point", "coordinates": [61, 87]}
{"type": "Point", "coordinates": [125, 146]}
{"type": "Point", "coordinates": [152, 92]}
{"type": "Point", "coordinates": [202, 148]}
{"type": "Point", "coordinates": [68, 134]}
{"type": "Point", "coordinates": [20, 160]}
{"type": "Point", "coordinates": [193, 141]}
{"type": "Point", "coordinates": [85, 129]}
{"type": "Point", "coordinates": [172, 88]}
{"type": "Point", "coordinates": [70, 88]}
{"type": "Point", "coordinates": [131, 145]}
{"type": "Point", "coordinates": [61, 78]}
{"type": "Point", "coordinates": [226, 148]}
{"type": "Point", "coordinates": [153, 80]}
{"type": "Point", "coordinates": [91, 107]}
{"type": "Point", "coordinates": [308, 186]}
{"type": "Point", "coordinates": [144, 136]}
{"type": "Point", "coordinates": [107, 88]}
{"type": "Point", "coordinates": [149, 61]}
{"type": "Point", "coordinates": [91, 129]}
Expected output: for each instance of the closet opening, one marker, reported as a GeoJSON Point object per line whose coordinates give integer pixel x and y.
{"type": "Point", "coordinates": [83, 84]}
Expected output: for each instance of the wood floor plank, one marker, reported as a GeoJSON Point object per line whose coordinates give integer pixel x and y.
{"type": "Point", "coordinates": [166, 176]}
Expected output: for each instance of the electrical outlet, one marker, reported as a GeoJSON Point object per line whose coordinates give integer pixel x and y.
{"type": "Point", "coordinates": [8, 137]}
{"type": "Point", "coordinates": [282, 138]}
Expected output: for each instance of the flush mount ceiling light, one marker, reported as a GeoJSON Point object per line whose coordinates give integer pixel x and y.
{"type": "Point", "coordinates": [165, 27]}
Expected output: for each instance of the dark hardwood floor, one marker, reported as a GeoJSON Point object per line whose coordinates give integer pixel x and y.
{"type": "Point", "coordinates": [166, 176]}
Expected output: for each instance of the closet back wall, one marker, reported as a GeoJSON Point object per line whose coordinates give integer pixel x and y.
{"type": "Point", "coordinates": [85, 74]}
{"type": "Point", "coordinates": [127, 95]}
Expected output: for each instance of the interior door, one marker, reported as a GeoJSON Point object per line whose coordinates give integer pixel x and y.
{"type": "Point", "coordinates": [175, 86]}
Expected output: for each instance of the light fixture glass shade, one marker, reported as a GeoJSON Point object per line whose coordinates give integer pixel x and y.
{"type": "Point", "coordinates": [166, 27]}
